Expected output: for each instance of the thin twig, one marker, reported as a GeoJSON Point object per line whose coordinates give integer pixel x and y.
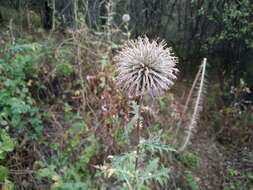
{"type": "Point", "coordinates": [188, 101]}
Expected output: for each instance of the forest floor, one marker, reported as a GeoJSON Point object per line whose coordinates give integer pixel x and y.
{"type": "Point", "coordinates": [222, 167]}
{"type": "Point", "coordinates": [210, 171]}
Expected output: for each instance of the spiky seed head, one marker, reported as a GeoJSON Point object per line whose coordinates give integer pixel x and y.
{"type": "Point", "coordinates": [145, 67]}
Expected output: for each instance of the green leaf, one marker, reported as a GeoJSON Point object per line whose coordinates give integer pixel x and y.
{"type": "Point", "coordinates": [18, 106]}
{"type": "Point", "coordinates": [4, 172]}
{"type": "Point", "coordinates": [8, 185]}
{"type": "Point", "coordinates": [154, 145]}
{"type": "Point", "coordinates": [64, 69]}
{"type": "Point", "coordinates": [7, 143]}
{"type": "Point", "coordinates": [131, 125]}
{"type": "Point", "coordinates": [3, 122]}
{"type": "Point", "coordinates": [47, 172]}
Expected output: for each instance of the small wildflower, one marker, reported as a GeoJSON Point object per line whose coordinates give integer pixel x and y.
{"type": "Point", "coordinates": [145, 67]}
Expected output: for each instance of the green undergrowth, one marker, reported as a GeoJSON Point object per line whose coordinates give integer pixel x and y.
{"type": "Point", "coordinates": [19, 108]}
{"type": "Point", "coordinates": [19, 114]}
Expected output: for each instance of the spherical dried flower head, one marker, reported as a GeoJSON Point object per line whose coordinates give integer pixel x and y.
{"type": "Point", "coordinates": [145, 67]}
{"type": "Point", "coordinates": [126, 18]}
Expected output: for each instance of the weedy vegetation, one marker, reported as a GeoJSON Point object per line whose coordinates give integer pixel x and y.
{"type": "Point", "coordinates": [96, 106]}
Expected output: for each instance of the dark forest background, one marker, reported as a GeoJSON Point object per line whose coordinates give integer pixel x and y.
{"type": "Point", "coordinates": [218, 29]}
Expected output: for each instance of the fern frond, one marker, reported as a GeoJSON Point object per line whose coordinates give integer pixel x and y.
{"type": "Point", "coordinates": [197, 104]}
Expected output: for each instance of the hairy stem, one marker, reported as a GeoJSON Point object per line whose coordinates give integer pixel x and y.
{"type": "Point", "coordinates": [138, 127]}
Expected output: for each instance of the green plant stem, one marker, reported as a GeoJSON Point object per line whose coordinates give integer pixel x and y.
{"type": "Point", "coordinates": [138, 127]}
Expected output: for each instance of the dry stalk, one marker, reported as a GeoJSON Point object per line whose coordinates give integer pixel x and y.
{"type": "Point", "coordinates": [197, 105]}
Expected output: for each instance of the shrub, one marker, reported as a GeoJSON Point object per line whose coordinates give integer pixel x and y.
{"type": "Point", "coordinates": [18, 108]}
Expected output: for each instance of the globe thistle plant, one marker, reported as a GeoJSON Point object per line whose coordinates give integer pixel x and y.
{"type": "Point", "coordinates": [145, 67]}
